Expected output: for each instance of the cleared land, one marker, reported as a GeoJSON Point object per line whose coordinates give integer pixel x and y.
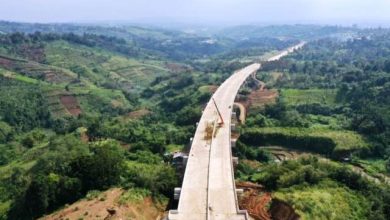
{"type": "Point", "coordinates": [308, 96]}
{"type": "Point", "coordinates": [131, 204]}
{"type": "Point", "coordinates": [318, 140]}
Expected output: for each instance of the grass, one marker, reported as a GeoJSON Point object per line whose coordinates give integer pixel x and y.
{"type": "Point", "coordinates": [7, 170]}
{"type": "Point", "coordinates": [4, 207]}
{"type": "Point", "coordinates": [309, 96]}
{"type": "Point", "coordinates": [102, 66]}
{"type": "Point", "coordinates": [270, 78]}
{"type": "Point", "coordinates": [99, 67]}
{"type": "Point", "coordinates": [206, 89]}
{"type": "Point", "coordinates": [56, 74]}
{"type": "Point", "coordinates": [334, 122]}
{"type": "Point", "coordinates": [139, 73]}
{"type": "Point", "coordinates": [325, 202]}
{"type": "Point", "coordinates": [93, 194]}
{"type": "Point", "coordinates": [145, 32]}
{"type": "Point", "coordinates": [134, 195]}
{"type": "Point", "coordinates": [67, 55]}
{"type": "Point", "coordinates": [373, 166]}
{"type": "Point", "coordinates": [343, 139]}
{"type": "Point", "coordinates": [18, 77]}
{"type": "Point", "coordinates": [174, 148]}
{"type": "Point", "coordinates": [92, 98]}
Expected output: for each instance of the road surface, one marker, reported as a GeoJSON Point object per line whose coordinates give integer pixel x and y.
{"type": "Point", "coordinates": [208, 189]}
{"type": "Point", "coordinates": [286, 52]}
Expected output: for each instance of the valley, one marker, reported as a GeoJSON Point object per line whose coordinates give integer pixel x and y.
{"type": "Point", "coordinates": [93, 117]}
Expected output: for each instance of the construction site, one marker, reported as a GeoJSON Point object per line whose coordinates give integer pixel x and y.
{"type": "Point", "coordinates": [209, 189]}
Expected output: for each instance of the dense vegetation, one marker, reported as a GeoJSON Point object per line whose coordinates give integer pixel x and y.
{"type": "Point", "coordinates": [22, 106]}
{"type": "Point", "coordinates": [171, 44]}
{"type": "Point", "coordinates": [86, 108]}
{"type": "Point", "coordinates": [317, 140]}
{"type": "Point", "coordinates": [333, 101]}
{"type": "Point", "coordinates": [335, 85]}
{"type": "Point", "coordinates": [314, 186]}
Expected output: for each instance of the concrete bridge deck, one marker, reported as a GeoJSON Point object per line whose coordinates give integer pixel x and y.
{"type": "Point", "coordinates": [208, 189]}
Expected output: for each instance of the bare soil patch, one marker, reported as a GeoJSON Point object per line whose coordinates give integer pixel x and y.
{"type": "Point", "coordinates": [280, 210]}
{"type": "Point", "coordinates": [100, 208]}
{"type": "Point", "coordinates": [281, 153]}
{"type": "Point", "coordinates": [213, 88]}
{"type": "Point", "coordinates": [178, 68]}
{"type": "Point", "coordinates": [6, 63]}
{"type": "Point", "coordinates": [260, 204]}
{"type": "Point", "coordinates": [260, 97]}
{"type": "Point", "coordinates": [255, 200]}
{"type": "Point", "coordinates": [138, 114]}
{"type": "Point", "coordinates": [36, 70]}
{"type": "Point", "coordinates": [71, 104]}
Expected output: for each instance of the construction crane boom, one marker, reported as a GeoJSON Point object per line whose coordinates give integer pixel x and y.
{"type": "Point", "coordinates": [219, 113]}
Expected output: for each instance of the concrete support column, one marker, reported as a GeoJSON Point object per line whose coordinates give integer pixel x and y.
{"type": "Point", "coordinates": [185, 159]}
{"type": "Point", "coordinates": [239, 192]}
{"type": "Point", "coordinates": [233, 127]}
{"type": "Point", "coordinates": [235, 161]}
{"type": "Point", "coordinates": [176, 193]}
{"type": "Point", "coordinates": [233, 143]}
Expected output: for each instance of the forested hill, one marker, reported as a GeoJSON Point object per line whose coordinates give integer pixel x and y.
{"type": "Point", "coordinates": [334, 102]}
{"type": "Point", "coordinates": [72, 96]}
{"type": "Point", "coordinates": [300, 32]}
{"type": "Point", "coordinates": [360, 70]}
{"type": "Point", "coordinates": [173, 44]}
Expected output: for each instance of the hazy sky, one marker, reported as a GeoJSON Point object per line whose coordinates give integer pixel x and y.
{"type": "Point", "coordinates": [199, 11]}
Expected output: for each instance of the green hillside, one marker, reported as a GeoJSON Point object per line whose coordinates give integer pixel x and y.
{"type": "Point", "coordinates": [89, 108]}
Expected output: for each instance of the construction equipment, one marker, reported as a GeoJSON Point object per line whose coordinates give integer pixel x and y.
{"type": "Point", "coordinates": [209, 130]}
{"type": "Point", "coordinates": [221, 122]}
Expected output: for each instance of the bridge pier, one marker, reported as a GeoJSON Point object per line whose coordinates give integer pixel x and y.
{"type": "Point", "coordinates": [233, 127]}
{"type": "Point", "coordinates": [176, 193]}
{"type": "Point", "coordinates": [208, 186]}
{"type": "Point", "coordinates": [233, 143]}
{"type": "Point", "coordinates": [235, 161]}
{"type": "Point", "coordinates": [239, 192]}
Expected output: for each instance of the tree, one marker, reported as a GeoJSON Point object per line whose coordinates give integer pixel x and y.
{"type": "Point", "coordinates": [292, 118]}
{"type": "Point", "coordinates": [28, 141]}
{"type": "Point", "coordinates": [188, 115]}
{"type": "Point", "coordinates": [37, 196]}
{"type": "Point", "coordinates": [102, 168]}
{"type": "Point", "coordinates": [158, 178]}
{"type": "Point", "coordinates": [5, 132]}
